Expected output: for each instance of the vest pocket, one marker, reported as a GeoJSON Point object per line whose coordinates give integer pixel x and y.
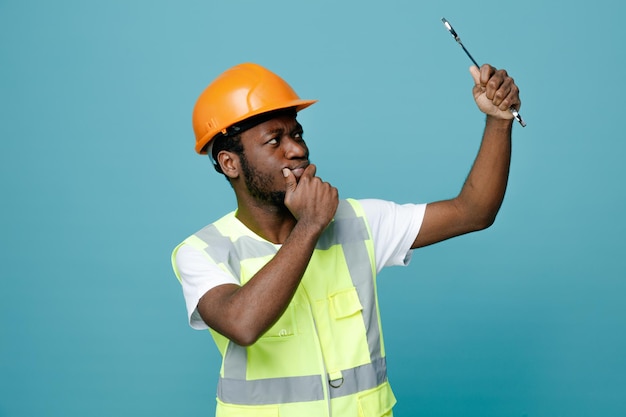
{"type": "Point", "coordinates": [284, 328]}
{"type": "Point", "coordinates": [342, 331]}
{"type": "Point", "coordinates": [345, 303]}
{"type": "Point", "coordinates": [378, 402]}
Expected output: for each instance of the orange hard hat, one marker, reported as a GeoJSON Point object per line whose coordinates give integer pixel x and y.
{"type": "Point", "coordinates": [239, 93]}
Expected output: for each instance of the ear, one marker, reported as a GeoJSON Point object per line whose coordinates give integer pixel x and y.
{"type": "Point", "coordinates": [229, 162]}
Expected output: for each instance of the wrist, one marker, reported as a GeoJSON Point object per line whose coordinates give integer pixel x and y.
{"type": "Point", "coordinates": [497, 122]}
{"type": "Point", "coordinates": [306, 231]}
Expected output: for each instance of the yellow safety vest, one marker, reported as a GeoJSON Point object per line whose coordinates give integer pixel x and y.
{"type": "Point", "coordinates": [325, 355]}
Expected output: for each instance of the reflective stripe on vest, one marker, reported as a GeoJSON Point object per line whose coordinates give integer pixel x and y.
{"type": "Point", "coordinates": [300, 388]}
{"type": "Point", "coordinates": [351, 233]}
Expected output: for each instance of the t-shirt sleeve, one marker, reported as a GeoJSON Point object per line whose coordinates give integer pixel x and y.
{"type": "Point", "coordinates": [394, 229]}
{"type": "Point", "coordinates": [198, 275]}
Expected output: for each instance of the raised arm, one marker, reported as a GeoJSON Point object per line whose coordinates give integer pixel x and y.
{"type": "Point", "coordinates": [476, 206]}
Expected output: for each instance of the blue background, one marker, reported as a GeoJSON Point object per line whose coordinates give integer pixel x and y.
{"type": "Point", "coordinates": [100, 181]}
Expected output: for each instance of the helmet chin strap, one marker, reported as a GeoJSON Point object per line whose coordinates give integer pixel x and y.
{"type": "Point", "coordinates": [209, 152]}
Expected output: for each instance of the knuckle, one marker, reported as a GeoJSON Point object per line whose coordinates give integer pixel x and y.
{"type": "Point", "coordinates": [493, 83]}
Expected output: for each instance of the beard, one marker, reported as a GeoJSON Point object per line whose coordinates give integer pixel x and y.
{"type": "Point", "coordinates": [259, 185]}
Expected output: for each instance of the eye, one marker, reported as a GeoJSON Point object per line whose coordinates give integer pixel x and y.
{"type": "Point", "coordinates": [272, 141]}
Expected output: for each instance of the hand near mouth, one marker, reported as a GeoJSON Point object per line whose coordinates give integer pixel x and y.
{"type": "Point", "coordinates": [309, 199]}
{"type": "Point", "coordinates": [297, 172]}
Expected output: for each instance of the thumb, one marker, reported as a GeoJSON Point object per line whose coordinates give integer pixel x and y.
{"type": "Point", "coordinates": [290, 180]}
{"type": "Point", "coordinates": [475, 74]}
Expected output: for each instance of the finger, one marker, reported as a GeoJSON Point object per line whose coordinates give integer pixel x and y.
{"type": "Point", "coordinates": [505, 102]}
{"type": "Point", "coordinates": [486, 73]}
{"type": "Point", "coordinates": [507, 94]}
{"type": "Point", "coordinates": [499, 85]}
{"type": "Point", "coordinates": [290, 181]}
{"type": "Point", "coordinates": [310, 171]}
{"type": "Point", "coordinates": [501, 95]}
{"type": "Point", "coordinates": [478, 89]}
{"type": "Point", "coordinates": [512, 100]}
{"type": "Point", "coordinates": [475, 72]}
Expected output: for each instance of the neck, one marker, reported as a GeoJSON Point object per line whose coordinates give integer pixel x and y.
{"type": "Point", "coordinates": [272, 223]}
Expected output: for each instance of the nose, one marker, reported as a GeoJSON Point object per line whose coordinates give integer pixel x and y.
{"type": "Point", "coordinates": [295, 148]}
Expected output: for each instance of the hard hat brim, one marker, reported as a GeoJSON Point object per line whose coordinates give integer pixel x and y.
{"type": "Point", "coordinates": [201, 146]}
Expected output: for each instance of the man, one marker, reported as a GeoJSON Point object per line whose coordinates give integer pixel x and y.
{"type": "Point", "coordinates": [286, 283]}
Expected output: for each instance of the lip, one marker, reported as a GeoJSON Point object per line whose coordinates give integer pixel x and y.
{"type": "Point", "coordinates": [298, 171]}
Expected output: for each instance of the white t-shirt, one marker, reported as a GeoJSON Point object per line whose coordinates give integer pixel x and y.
{"type": "Point", "coordinates": [394, 228]}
